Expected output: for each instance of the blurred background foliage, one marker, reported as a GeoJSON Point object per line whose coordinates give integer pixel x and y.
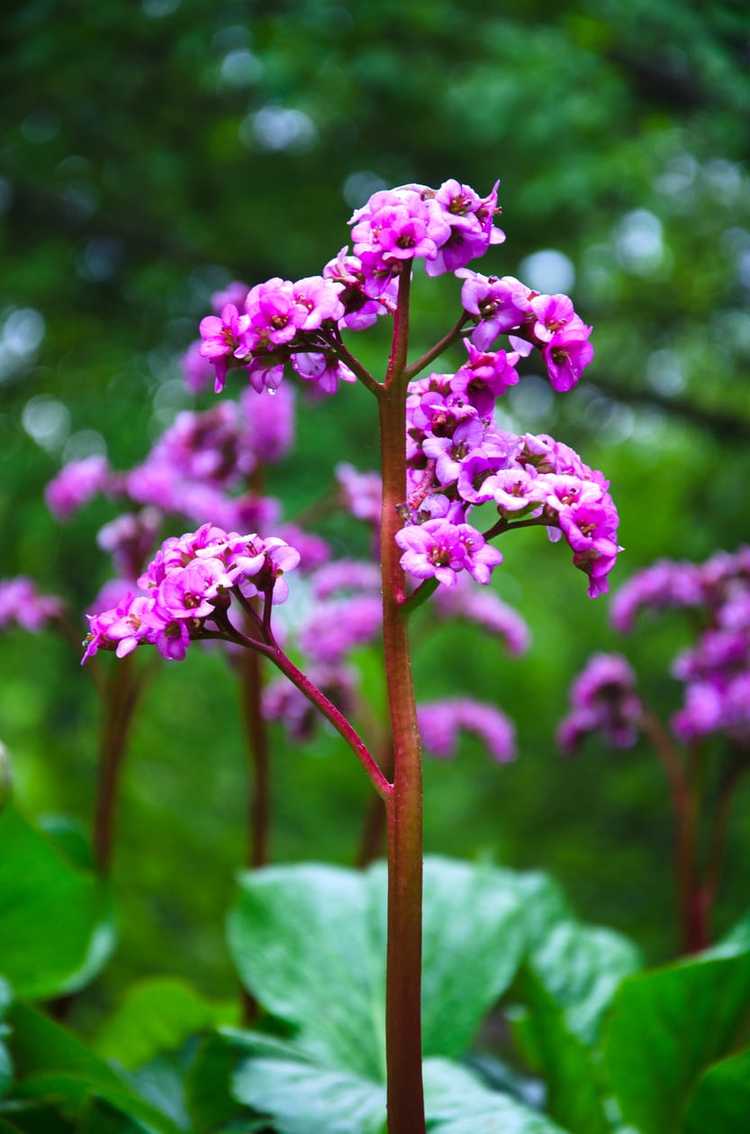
{"type": "Point", "coordinates": [150, 152]}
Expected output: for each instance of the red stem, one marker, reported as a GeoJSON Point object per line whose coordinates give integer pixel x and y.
{"type": "Point", "coordinates": [436, 350]}
{"type": "Point", "coordinates": [404, 807]}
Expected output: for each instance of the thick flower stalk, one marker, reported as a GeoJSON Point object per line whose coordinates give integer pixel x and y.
{"type": "Point", "coordinates": [442, 456]}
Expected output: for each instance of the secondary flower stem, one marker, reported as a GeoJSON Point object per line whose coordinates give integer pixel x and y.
{"type": "Point", "coordinates": [436, 350]}
{"type": "Point", "coordinates": [336, 718]}
{"type": "Point", "coordinates": [404, 807]}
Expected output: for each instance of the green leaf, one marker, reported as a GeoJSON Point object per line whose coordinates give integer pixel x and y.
{"type": "Point", "coordinates": [667, 1026]}
{"type": "Point", "coordinates": [721, 1099]}
{"type": "Point", "coordinates": [568, 983]}
{"type": "Point", "coordinates": [309, 943]}
{"type": "Point", "coordinates": [53, 1065]}
{"type": "Point", "coordinates": [157, 1015]}
{"type": "Point", "coordinates": [580, 967]}
{"type": "Point", "coordinates": [57, 924]}
{"type": "Point", "coordinates": [456, 1101]}
{"type": "Point", "coordinates": [304, 1098]}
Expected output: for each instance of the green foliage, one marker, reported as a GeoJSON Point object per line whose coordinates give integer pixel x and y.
{"type": "Point", "coordinates": [309, 943]}
{"type": "Point", "coordinates": [52, 1063]}
{"type": "Point", "coordinates": [569, 981]}
{"type": "Point", "coordinates": [667, 1026]}
{"type": "Point", "coordinates": [721, 1099]}
{"type": "Point", "coordinates": [57, 927]}
{"type": "Point", "coordinates": [157, 1016]}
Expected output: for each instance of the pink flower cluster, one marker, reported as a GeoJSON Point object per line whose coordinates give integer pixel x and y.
{"type": "Point", "coordinates": [22, 605]}
{"type": "Point", "coordinates": [278, 322]}
{"type": "Point", "coordinates": [603, 699]}
{"type": "Point", "coordinates": [187, 589]}
{"type": "Point", "coordinates": [716, 670]}
{"type": "Point", "coordinates": [458, 459]}
{"type": "Point", "coordinates": [447, 228]}
{"type": "Point", "coordinates": [441, 722]}
{"type": "Point", "coordinates": [548, 322]}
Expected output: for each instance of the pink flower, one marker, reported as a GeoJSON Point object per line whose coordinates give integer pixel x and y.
{"type": "Point", "coordinates": [76, 484]}
{"type": "Point", "coordinates": [224, 337]}
{"type": "Point", "coordinates": [441, 722]}
{"type": "Point", "coordinates": [567, 354]}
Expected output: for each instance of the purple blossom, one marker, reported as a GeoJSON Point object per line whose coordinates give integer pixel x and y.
{"type": "Point", "coordinates": [664, 584]}
{"type": "Point", "coordinates": [551, 314]}
{"type": "Point", "coordinates": [234, 293]}
{"type": "Point", "coordinates": [487, 610]}
{"type": "Point", "coordinates": [76, 484]}
{"type": "Point", "coordinates": [603, 699]}
{"type": "Point", "coordinates": [498, 305]}
{"type": "Point", "coordinates": [361, 492]}
{"type": "Point", "coordinates": [191, 582]}
{"type": "Point", "coordinates": [314, 551]}
{"type": "Point", "coordinates": [22, 604]}
{"type": "Point", "coordinates": [345, 575]}
{"type": "Point", "coordinates": [567, 354]}
{"type": "Point", "coordinates": [441, 722]}
{"type": "Point", "coordinates": [485, 377]}
{"type": "Point", "coordinates": [224, 337]}
{"type": "Point", "coordinates": [340, 625]}
{"type": "Point", "coordinates": [322, 369]}
{"type": "Point", "coordinates": [129, 539]}
{"type": "Point", "coordinates": [196, 368]}
{"type": "Point", "coordinates": [439, 549]}
{"type": "Point", "coordinates": [269, 423]}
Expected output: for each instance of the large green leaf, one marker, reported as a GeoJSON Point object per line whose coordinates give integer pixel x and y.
{"type": "Point", "coordinates": [53, 1065]}
{"type": "Point", "coordinates": [667, 1026]}
{"type": "Point", "coordinates": [157, 1015]}
{"type": "Point", "coordinates": [568, 982]}
{"type": "Point", "coordinates": [720, 1102]}
{"type": "Point", "coordinates": [580, 967]}
{"type": "Point", "coordinates": [57, 925]}
{"type": "Point", "coordinates": [309, 943]}
{"type": "Point", "coordinates": [458, 1103]}
{"type": "Point", "coordinates": [304, 1098]}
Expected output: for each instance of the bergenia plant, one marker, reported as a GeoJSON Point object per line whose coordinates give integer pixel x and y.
{"type": "Point", "coordinates": [442, 456]}
{"type": "Point", "coordinates": [715, 671]}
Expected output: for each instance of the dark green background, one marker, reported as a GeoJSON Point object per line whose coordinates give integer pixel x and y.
{"type": "Point", "coordinates": [135, 180]}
